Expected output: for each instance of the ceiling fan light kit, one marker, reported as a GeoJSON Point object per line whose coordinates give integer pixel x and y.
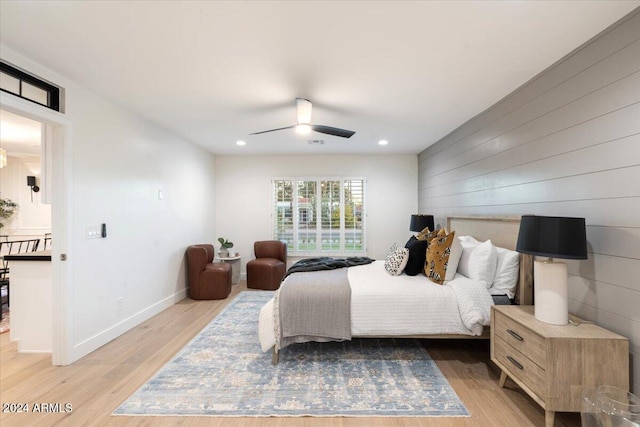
{"type": "Point", "coordinates": [303, 129]}
{"type": "Point", "coordinates": [304, 126]}
{"type": "Point", "coordinates": [303, 110]}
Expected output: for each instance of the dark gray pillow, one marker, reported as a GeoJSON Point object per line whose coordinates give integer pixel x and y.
{"type": "Point", "coordinates": [417, 255]}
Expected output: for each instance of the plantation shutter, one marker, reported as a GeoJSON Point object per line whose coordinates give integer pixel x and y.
{"type": "Point", "coordinates": [320, 216]}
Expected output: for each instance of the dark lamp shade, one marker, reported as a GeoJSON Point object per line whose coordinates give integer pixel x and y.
{"type": "Point", "coordinates": [420, 222]}
{"type": "Point", "coordinates": [553, 237]}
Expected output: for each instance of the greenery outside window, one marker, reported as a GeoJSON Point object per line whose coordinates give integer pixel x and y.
{"type": "Point", "coordinates": [320, 216]}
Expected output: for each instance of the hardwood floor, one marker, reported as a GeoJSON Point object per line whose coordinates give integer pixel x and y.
{"type": "Point", "coordinates": [99, 382]}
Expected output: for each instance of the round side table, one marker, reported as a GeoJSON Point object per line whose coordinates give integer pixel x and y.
{"type": "Point", "coordinates": [235, 267]}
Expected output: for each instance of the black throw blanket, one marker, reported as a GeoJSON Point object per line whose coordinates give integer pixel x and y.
{"type": "Point", "coordinates": [326, 263]}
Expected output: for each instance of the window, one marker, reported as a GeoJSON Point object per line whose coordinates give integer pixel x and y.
{"type": "Point", "coordinates": [28, 87]}
{"type": "Point", "coordinates": [320, 216]}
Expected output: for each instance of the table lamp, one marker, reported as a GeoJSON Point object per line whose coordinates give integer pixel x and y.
{"type": "Point", "coordinates": [552, 237]}
{"type": "Point", "coordinates": [420, 222]}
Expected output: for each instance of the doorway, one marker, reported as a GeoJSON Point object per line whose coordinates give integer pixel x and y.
{"type": "Point", "coordinates": [57, 170]}
{"type": "Point", "coordinates": [23, 182]}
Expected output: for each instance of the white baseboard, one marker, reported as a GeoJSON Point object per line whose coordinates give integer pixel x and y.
{"type": "Point", "coordinates": [87, 346]}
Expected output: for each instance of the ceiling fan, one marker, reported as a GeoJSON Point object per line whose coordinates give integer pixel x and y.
{"type": "Point", "coordinates": [304, 126]}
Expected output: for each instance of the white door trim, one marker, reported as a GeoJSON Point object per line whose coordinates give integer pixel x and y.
{"type": "Point", "coordinates": [61, 220]}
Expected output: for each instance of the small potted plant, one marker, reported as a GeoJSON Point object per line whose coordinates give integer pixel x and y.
{"type": "Point", "coordinates": [225, 245]}
{"type": "Point", "coordinates": [8, 208]}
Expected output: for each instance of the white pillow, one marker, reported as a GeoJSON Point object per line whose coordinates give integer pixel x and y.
{"type": "Point", "coordinates": [478, 262]}
{"type": "Point", "coordinates": [467, 249]}
{"type": "Point", "coordinates": [468, 239]}
{"type": "Point", "coordinates": [396, 260]}
{"type": "Point", "coordinates": [507, 269]}
{"type": "Point", "coordinates": [454, 259]}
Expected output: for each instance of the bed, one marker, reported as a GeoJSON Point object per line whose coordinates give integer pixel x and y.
{"type": "Point", "coordinates": [382, 305]}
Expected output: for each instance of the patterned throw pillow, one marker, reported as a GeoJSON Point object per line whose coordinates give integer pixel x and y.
{"type": "Point", "coordinates": [392, 249]}
{"type": "Point", "coordinates": [438, 256]}
{"type": "Point", "coordinates": [396, 260]}
{"type": "Point", "coordinates": [427, 235]}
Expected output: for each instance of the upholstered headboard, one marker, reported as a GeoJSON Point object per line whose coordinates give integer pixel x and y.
{"type": "Point", "coordinates": [503, 232]}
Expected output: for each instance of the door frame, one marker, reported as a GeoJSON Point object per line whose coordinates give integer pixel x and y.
{"type": "Point", "coordinates": [60, 129]}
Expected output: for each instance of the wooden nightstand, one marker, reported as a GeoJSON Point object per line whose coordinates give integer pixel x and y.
{"type": "Point", "coordinates": [554, 364]}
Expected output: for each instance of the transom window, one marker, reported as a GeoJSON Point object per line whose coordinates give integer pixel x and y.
{"type": "Point", "coordinates": [29, 87]}
{"type": "Point", "coordinates": [320, 216]}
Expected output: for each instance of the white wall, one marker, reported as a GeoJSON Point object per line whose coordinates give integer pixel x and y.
{"type": "Point", "coordinates": [120, 161]}
{"type": "Point", "coordinates": [243, 194]}
{"type": "Point", "coordinates": [33, 217]}
{"type": "Point", "coordinates": [567, 143]}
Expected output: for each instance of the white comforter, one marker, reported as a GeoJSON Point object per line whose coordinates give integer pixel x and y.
{"type": "Point", "coordinates": [385, 305]}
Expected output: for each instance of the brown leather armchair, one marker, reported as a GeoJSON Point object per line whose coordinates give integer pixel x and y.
{"type": "Point", "coordinates": [207, 279]}
{"type": "Point", "coordinates": [268, 269]}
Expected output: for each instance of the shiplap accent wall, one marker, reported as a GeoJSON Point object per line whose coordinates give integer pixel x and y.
{"type": "Point", "coordinates": [566, 143]}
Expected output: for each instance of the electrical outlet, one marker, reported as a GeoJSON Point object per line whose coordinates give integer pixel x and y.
{"type": "Point", "coordinates": [120, 303]}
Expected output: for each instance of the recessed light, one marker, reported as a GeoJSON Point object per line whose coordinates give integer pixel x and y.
{"type": "Point", "coordinates": [383, 142]}
{"type": "Point", "coordinates": [241, 143]}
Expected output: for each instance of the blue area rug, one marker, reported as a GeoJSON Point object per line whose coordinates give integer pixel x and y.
{"type": "Point", "coordinates": [223, 372]}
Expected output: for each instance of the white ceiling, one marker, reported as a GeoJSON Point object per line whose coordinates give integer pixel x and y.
{"type": "Point", "coordinates": [213, 72]}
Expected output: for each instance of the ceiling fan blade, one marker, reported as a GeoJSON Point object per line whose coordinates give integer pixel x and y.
{"type": "Point", "coordinates": [272, 130]}
{"type": "Point", "coordinates": [333, 131]}
{"type": "Point", "coordinates": [303, 110]}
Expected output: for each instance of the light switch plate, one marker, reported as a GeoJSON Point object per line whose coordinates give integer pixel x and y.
{"type": "Point", "coordinates": [93, 232]}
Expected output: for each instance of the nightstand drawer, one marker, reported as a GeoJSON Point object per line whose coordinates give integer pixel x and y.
{"type": "Point", "coordinates": [519, 366]}
{"type": "Point", "coordinates": [521, 338]}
